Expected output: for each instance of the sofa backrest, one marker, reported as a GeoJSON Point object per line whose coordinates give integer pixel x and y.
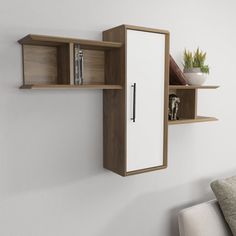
{"type": "Point", "coordinates": [205, 219]}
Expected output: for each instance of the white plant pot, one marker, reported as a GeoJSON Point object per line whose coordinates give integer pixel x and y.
{"type": "Point", "coordinates": [195, 76]}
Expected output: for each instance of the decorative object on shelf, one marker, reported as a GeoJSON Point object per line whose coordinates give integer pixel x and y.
{"type": "Point", "coordinates": [195, 70]}
{"type": "Point", "coordinates": [79, 65]}
{"type": "Point", "coordinates": [176, 74]}
{"type": "Point", "coordinates": [174, 102]}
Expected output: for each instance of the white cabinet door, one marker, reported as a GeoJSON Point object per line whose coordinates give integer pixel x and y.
{"type": "Point", "coordinates": [146, 68]}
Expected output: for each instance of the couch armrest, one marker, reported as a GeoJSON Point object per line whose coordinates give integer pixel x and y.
{"type": "Point", "coordinates": [204, 219]}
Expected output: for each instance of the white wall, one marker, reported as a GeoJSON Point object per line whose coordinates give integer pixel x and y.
{"type": "Point", "coordinates": [52, 182]}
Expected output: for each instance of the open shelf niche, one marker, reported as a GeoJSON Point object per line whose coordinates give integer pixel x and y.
{"type": "Point", "coordinates": [48, 63]}
{"type": "Point", "coordinates": [188, 104]}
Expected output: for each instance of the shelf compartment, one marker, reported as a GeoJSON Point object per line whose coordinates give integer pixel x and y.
{"type": "Point", "coordinates": [195, 120]}
{"type": "Point", "coordinates": [55, 65]}
{"type": "Point", "coordinates": [67, 86]}
{"type": "Point", "coordinates": [187, 112]}
{"type": "Point", "coordinates": [32, 39]}
{"type": "Point", "coordinates": [188, 102]}
{"type": "Point", "coordinates": [94, 67]}
{"type": "Point", "coordinates": [46, 64]}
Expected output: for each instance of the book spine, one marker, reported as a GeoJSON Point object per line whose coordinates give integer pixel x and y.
{"type": "Point", "coordinates": [81, 66]}
{"type": "Point", "coordinates": [78, 60]}
{"type": "Point", "coordinates": [76, 63]}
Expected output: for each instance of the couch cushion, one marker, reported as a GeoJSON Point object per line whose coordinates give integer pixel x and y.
{"type": "Point", "coordinates": [205, 219]}
{"type": "Point", "coordinates": [225, 192]}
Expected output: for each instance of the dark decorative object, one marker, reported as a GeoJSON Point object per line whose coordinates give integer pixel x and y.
{"type": "Point", "coordinates": [173, 107]}
{"type": "Point", "coordinates": [176, 75]}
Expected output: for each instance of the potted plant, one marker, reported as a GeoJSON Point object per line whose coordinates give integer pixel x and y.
{"type": "Point", "coordinates": [195, 70]}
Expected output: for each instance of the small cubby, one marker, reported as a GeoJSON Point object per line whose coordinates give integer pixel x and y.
{"type": "Point", "coordinates": [48, 62]}
{"type": "Point", "coordinates": [94, 66]}
{"type": "Point", "coordinates": [187, 112]}
{"type": "Point", "coordinates": [187, 106]}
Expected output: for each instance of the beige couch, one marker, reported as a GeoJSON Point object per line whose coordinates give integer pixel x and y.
{"type": "Point", "coordinates": [205, 219]}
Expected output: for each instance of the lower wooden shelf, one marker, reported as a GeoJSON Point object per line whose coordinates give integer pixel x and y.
{"type": "Point", "coordinates": [68, 86]}
{"type": "Point", "coordinates": [197, 119]}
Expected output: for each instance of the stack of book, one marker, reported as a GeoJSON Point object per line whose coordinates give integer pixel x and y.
{"type": "Point", "coordinates": [78, 73]}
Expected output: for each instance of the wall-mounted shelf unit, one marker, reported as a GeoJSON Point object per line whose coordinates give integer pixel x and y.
{"type": "Point", "coordinates": [132, 67]}
{"type": "Point", "coordinates": [48, 63]}
{"type": "Point", "coordinates": [188, 104]}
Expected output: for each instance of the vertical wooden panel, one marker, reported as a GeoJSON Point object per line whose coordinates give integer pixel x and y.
{"type": "Point", "coordinates": [196, 99]}
{"type": "Point", "coordinates": [63, 64]}
{"type": "Point", "coordinates": [23, 62]}
{"type": "Point", "coordinates": [166, 99]}
{"type": "Point", "coordinates": [40, 64]}
{"type": "Point", "coordinates": [94, 67]}
{"type": "Point", "coordinates": [114, 143]}
{"type": "Point", "coordinates": [71, 61]}
{"type": "Point", "coordinates": [187, 109]}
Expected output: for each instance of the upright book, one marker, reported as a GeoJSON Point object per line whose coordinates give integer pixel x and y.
{"type": "Point", "coordinates": [176, 75]}
{"type": "Point", "coordinates": [79, 64]}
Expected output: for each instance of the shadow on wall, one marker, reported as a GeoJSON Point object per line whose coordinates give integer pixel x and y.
{"type": "Point", "coordinates": [148, 214]}
{"type": "Point", "coordinates": [46, 145]}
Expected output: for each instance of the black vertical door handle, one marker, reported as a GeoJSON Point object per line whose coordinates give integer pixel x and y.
{"type": "Point", "coordinates": [134, 102]}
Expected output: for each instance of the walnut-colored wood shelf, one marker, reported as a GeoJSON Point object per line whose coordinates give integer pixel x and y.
{"type": "Point", "coordinates": [193, 87]}
{"type": "Point", "coordinates": [33, 39]}
{"type": "Point", "coordinates": [65, 86]}
{"type": "Point", "coordinates": [196, 120]}
{"type": "Point", "coordinates": [48, 63]}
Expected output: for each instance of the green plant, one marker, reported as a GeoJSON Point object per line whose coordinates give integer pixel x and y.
{"type": "Point", "coordinates": [188, 59]}
{"type": "Point", "coordinates": [196, 60]}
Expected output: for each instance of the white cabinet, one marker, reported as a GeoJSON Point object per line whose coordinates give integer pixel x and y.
{"type": "Point", "coordinates": [135, 132]}
{"type": "Point", "coordinates": [145, 52]}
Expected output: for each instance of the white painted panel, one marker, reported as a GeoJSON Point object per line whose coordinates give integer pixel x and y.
{"type": "Point", "coordinates": [145, 67]}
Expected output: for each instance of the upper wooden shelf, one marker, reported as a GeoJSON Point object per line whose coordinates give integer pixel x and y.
{"type": "Point", "coordinates": [33, 39]}
{"type": "Point", "coordinates": [68, 86]}
{"type": "Point", "coordinates": [193, 87]}
{"type": "Point", "coordinates": [195, 120]}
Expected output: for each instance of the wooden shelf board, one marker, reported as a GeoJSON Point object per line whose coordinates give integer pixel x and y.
{"type": "Point", "coordinates": [32, 39]}
{"type": "Point", "coordinates": [198, 119]}
{"type": "Point", "coordinates": [193, 87]}
{"type": "Point", "coordinates": [134, 172]}
{"type": "Point", "coordinates": [68, 86]}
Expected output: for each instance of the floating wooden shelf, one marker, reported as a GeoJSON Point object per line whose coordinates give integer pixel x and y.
{"type": "Point", "coordinates": [197, 119]}
{"type": "Point", "coordinates": [193, 87]}
{"type": "Point", "coordinates": [43, 40]}
{"type": "Point", "coordinates": [65, 86]}
{"type": "Point", "coordinates": [49, 62]}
